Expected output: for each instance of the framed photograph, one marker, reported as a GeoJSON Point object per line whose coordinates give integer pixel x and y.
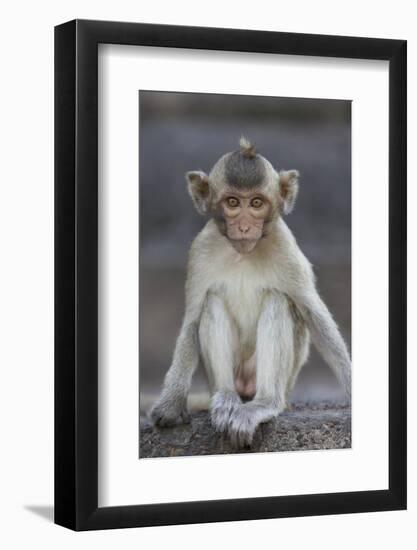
{"type": "Point", "coordinates": [230, 275]}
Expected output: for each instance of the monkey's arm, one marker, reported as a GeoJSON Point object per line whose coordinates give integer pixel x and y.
{"type": "Point", "coordinates": [299, 283]}
{"type": "Point", "coordinates": [325, 335]}
{"type": "Point", "coordinates": [171, 407]}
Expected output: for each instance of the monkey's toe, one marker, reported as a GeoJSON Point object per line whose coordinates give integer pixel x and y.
{"type": "Point", "coordinates": [245, 420]}
{"type": "Point", "coordinates": [241, 438]}
{"type": "Point", "coordinates": [222, 406]}
{"type": "Point", "coordinates": [242, 427]}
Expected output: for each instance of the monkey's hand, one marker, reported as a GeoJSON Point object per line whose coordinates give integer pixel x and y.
{"type": "Point", "coordinates": [223, 403]}
{"type": "Point", "coordinates": [169, 412]}
{"type": "Point", "coordinates": [245, 420]}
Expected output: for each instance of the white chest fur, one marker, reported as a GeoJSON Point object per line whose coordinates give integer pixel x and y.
{"type": "Point", "coordinates": [242, 283]}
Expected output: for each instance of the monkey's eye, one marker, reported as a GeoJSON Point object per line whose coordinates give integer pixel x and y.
{"type": "Point", "coordinates": [233, 202]}
{"type": "Point", "coordinates": [257, 203]}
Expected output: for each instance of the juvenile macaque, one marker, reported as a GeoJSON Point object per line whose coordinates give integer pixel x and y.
{"type": "Point", "coordinates": [251, 302]}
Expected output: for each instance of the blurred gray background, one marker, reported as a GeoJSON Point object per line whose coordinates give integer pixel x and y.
{"type": "Point", "coordinates": [184, 131]}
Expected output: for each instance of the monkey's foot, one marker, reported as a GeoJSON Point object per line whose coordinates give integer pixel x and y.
{"type": "Point", "coordinates": [223, 403]}
{"type": "Point", "coordinates": [245, 420]}
{"type": "Point", "coordinates": [168, 413]}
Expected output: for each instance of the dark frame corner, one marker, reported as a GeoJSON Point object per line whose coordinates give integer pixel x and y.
{"type": "Point", "coordinates": [76, 368]}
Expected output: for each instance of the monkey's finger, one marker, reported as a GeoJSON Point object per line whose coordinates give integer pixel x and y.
{"type": "Point", "coordinates": [154, 416]}
{"type": "Point", "coordinates": [186, 418]}
{"type": "Point", "coordinates": [158, 418]}
{"type": "Point", "coordinates": [166, 419]}
{"type": "Point", "coordinates": [167, 422]}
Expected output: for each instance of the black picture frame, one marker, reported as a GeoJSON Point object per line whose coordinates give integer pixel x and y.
{"type": "Point", "coordinates": [76, 272]}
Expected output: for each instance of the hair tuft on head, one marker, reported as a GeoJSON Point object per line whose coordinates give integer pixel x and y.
{"type": "Point", "coordinates": [246, 148]}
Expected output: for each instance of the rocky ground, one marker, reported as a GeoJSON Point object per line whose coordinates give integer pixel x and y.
{"type": "Point", "coordinates": [305, 427]}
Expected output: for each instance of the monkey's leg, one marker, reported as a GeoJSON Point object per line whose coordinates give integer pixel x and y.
{"type": "Point", "coordinates": [274, 365]}
{"type": "Point", "coordinates": [219, 349]}
{"type": "Point", "coordinates": [171, 407]}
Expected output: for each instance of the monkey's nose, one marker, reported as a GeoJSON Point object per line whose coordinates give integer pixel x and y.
{"type": "Point", "coordinates": [244, 228]}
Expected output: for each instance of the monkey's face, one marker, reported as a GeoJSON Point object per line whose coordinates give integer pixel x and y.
{"type": "Point", "coordinates": [245, 215]}
{"type": "Point", "coordinates": [244, 194]}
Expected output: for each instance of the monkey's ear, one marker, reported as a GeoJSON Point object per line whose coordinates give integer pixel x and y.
{"type": "Point", "coordinates": [288, 189]}
{"type": "Point", "coordinates": [198, 187]}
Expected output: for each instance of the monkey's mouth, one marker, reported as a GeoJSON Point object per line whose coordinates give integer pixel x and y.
{"type": "Point", "coordinates": [243, 246]}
